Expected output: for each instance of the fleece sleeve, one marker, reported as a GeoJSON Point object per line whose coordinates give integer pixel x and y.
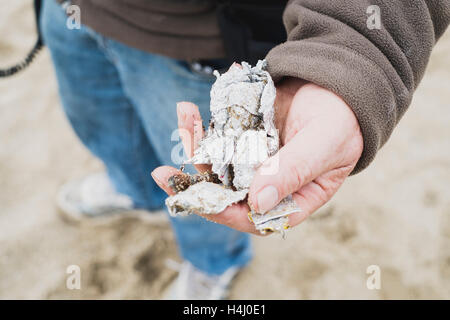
{"type": "Point", "coordinates": [374, 67]}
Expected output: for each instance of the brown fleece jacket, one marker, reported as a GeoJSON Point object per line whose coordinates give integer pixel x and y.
{"type": "Point", "coordinates": [374, 71]}
{"type": "Point", "coordinates": [329, 43]}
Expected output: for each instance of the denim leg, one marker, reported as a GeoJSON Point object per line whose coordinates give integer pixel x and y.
{"type": "Point", "coordinates": [155, 84]}
{"type": "Point", "coordinates": [121, 102]}
{"type": "Point", "coordinates": [98, 108]}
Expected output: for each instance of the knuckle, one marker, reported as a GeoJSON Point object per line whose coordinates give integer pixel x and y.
{"type": "Point", "coordinates": [301, 172]}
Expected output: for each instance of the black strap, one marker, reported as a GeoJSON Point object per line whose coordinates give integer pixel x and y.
{"type": "Point", "coordinates": [34, 51]}
{"type": "Point", "coordinates": [250, 29]}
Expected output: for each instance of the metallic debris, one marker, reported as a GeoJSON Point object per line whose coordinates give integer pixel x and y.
{"type": "Point", "coordinates": [240, 137]}
{"type": "Point", "coordinates": [182, 181]}
{"type": "Point", "coordinates": [241, 134]}
{"type": "Point", "coordinates": [275, 219]}
{"type": "Point", "coordinates": [203, 198]}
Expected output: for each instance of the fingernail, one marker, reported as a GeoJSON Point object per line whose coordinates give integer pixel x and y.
{"type": "Point", "coordinates": [267, 198]}
{"type": "Point", "coordinates": [156, 177]}
{"type": "Point", "coordinates": [180, 109]}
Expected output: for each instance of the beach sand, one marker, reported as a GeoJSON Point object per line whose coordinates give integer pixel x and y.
{"type": "Point", "coordinates": [395, 214]}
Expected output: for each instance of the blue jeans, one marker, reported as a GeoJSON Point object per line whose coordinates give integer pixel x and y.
{"type": "Point", "coordinates": [121, 102]}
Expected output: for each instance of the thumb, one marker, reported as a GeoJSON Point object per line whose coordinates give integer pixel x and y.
{"type": "Point", "coordinates": [306, 156]}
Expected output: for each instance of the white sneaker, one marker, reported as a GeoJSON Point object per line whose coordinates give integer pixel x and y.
{"type": "Point", "coordinates": [94, 199]}
{"type": "Point", "coordinates": [194, 284]}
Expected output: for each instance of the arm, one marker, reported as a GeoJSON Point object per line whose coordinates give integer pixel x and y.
{"type": "Point", "coordinates": [374, 71]}
{"type": "Point", "coordinates": [341, 89]}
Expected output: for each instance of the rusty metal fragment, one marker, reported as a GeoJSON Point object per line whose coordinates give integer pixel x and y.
{"type": "Point", "coordinates": [182, 181]}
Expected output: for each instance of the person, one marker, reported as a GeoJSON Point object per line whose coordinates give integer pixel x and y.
{"type": "Point", "coordinates": [342, 86]}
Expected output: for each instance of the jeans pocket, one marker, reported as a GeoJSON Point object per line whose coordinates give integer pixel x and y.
{"type": "Point", "coordinates": [184, 69]}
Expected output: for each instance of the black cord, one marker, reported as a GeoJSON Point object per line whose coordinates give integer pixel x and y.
{"type": "Point", "coordinates": [23, 64]}
{"type": "Point", "coordinates": [32, 54]}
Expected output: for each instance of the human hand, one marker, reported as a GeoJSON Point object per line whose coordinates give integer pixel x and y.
{"type": "Point", "coordinates": [320, 141]}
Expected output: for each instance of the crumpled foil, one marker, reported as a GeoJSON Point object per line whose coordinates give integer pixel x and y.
{"type": "Point", "coordinates": [275, 219]}
{"type": "Point", "coordinates": [204, 198]}
{"type": "Point", "coordinates": [240, 137]}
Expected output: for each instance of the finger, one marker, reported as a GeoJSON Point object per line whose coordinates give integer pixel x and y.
{"type": "Point", "coordinates": [316, 193]}
{"type": "Point", "coordinates": [306, 156]}
{"type": "Point", "coordinates": [161, 176]}
{"type": "Point", "coordinates": [236, 64]}
{"type": "Point", "coordinates": [191, 129]}
{"type": "Point", "coordinates": [189, 121]}
{"type": "Point", "coordinates": [235, 217]}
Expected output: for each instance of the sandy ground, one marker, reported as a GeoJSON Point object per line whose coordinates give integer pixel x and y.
{"type": "Point", "coordinates": [395, 215]}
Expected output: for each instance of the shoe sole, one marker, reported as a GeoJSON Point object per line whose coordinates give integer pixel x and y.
{"type": "Point", "coordinates": [73, 215]}
{"type": "Point", "coordinates": [144, 216]}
